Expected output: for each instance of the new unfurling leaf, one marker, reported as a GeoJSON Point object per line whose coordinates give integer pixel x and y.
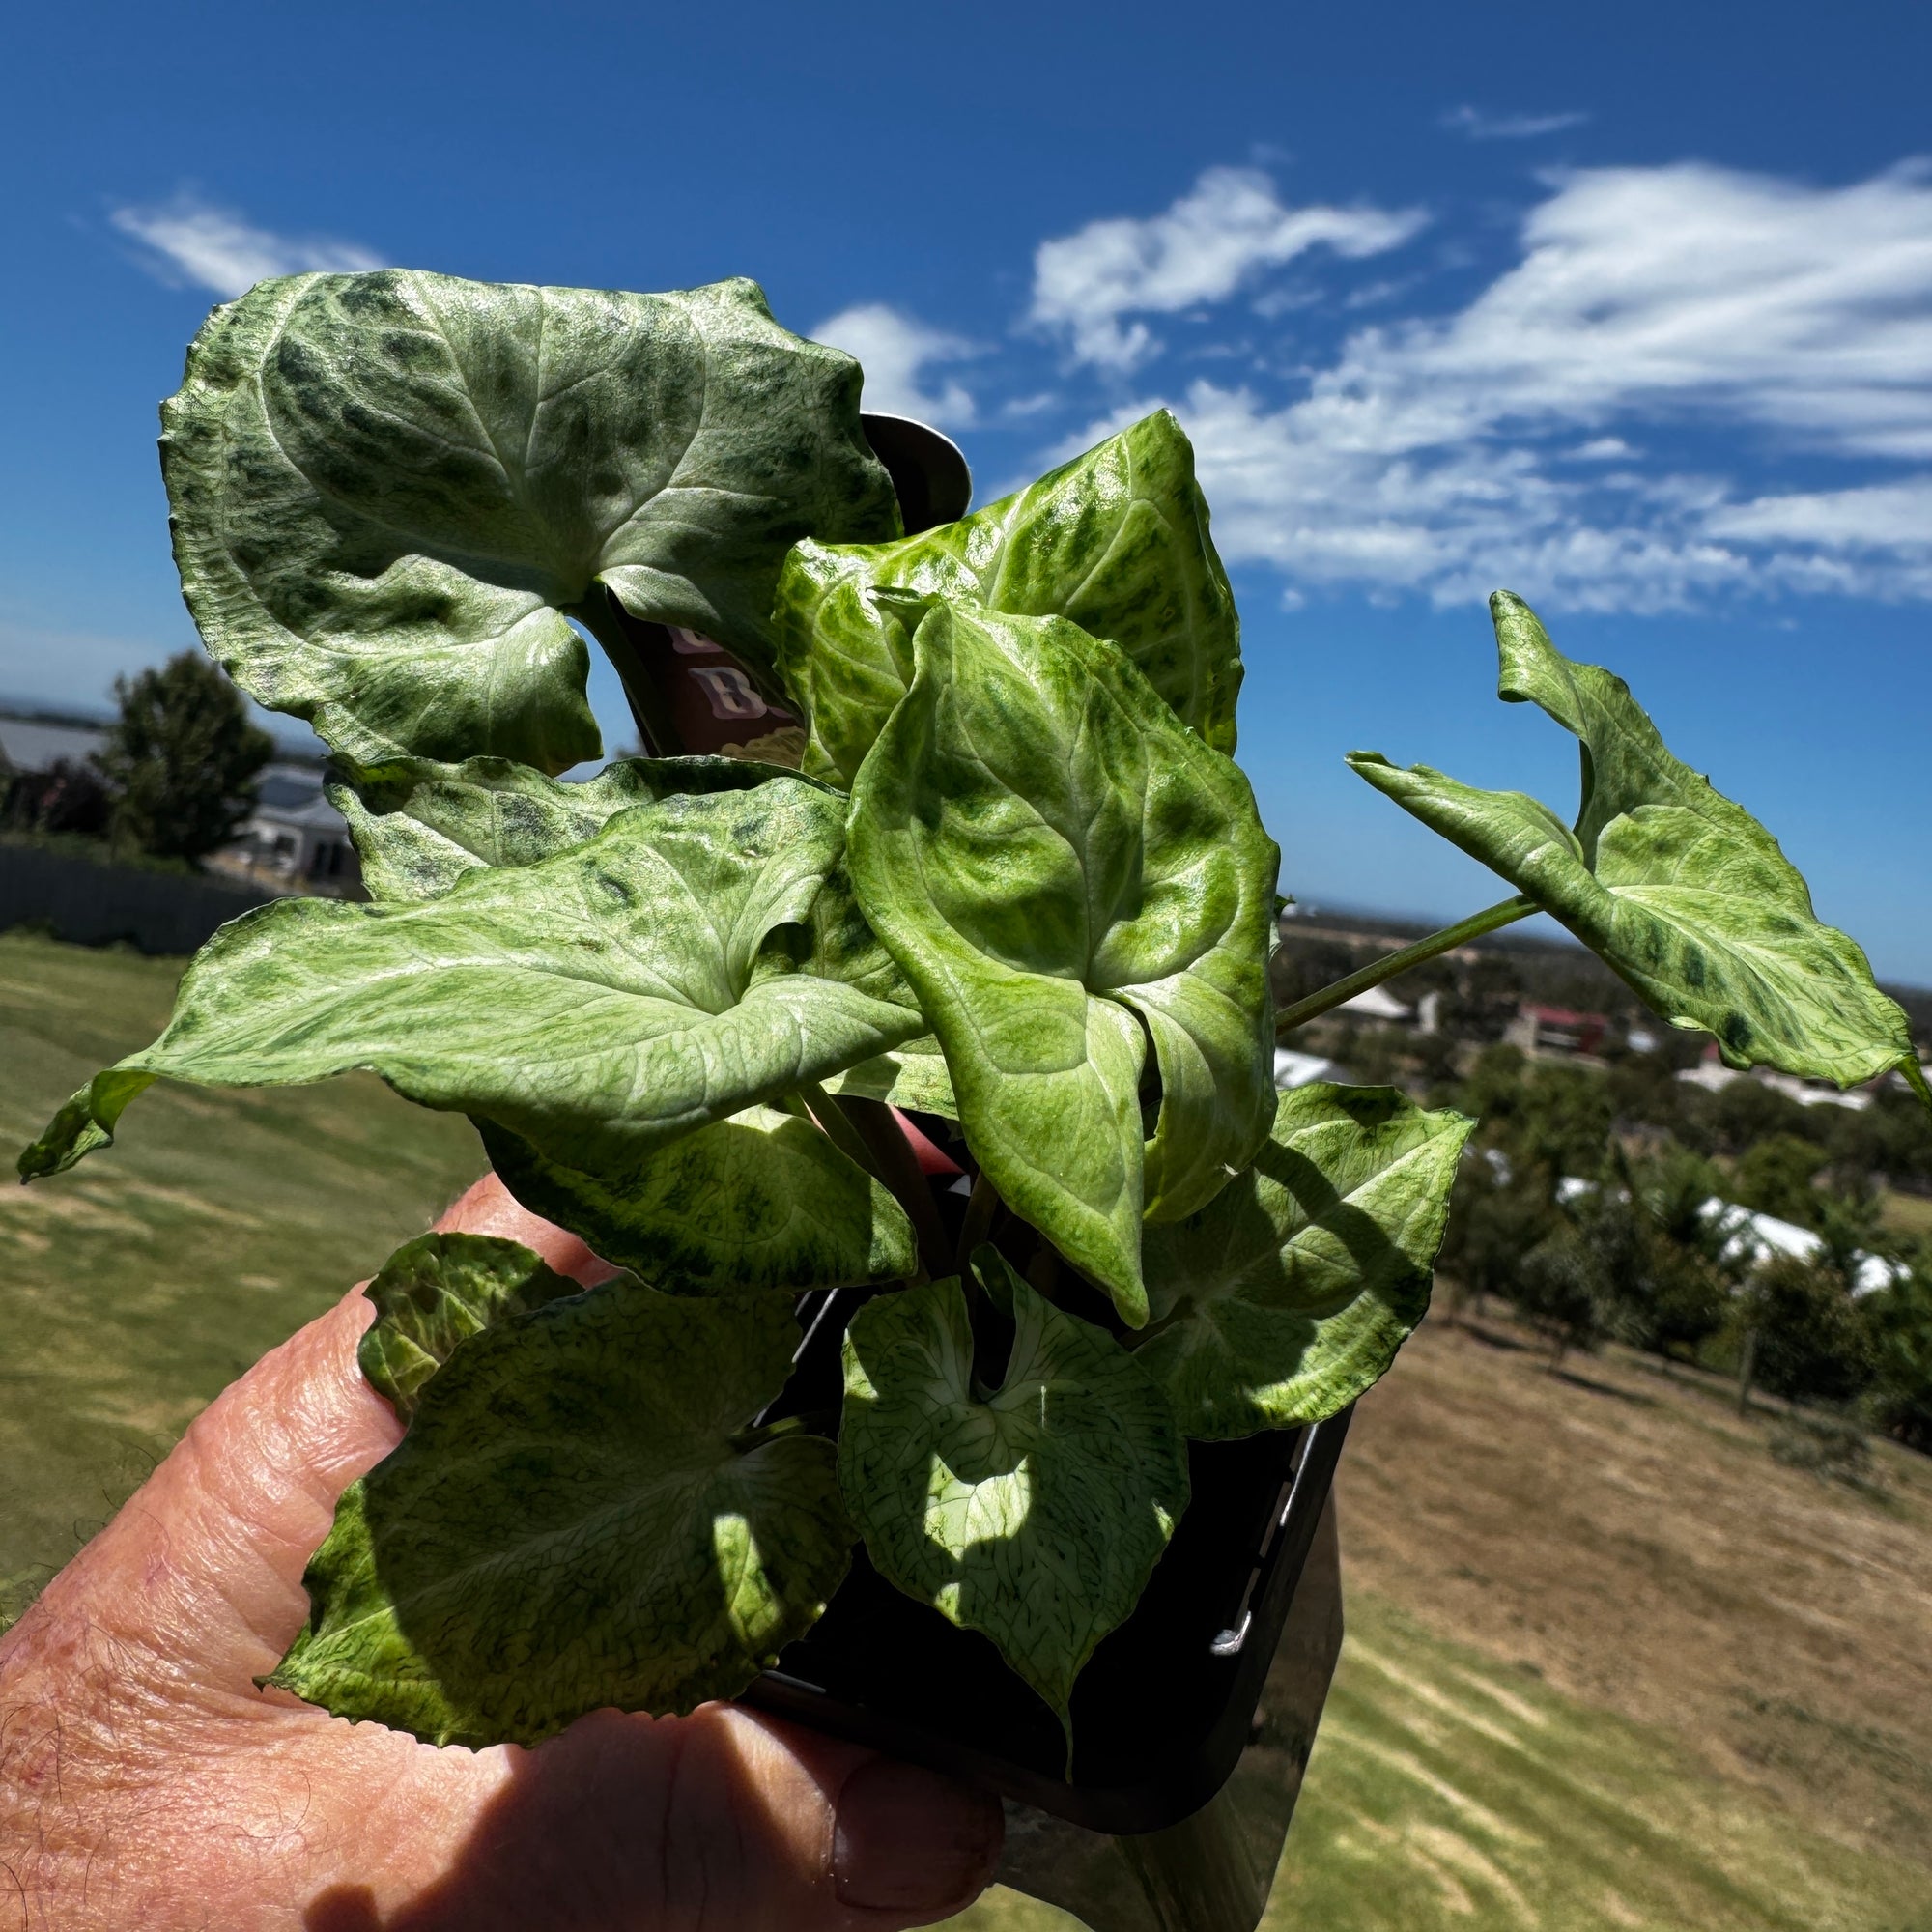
{"type": "Point", "coordinates": [1117, 541]}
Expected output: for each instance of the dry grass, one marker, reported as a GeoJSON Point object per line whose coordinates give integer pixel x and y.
{"type": "Point", "coordinates": [1609, 1666]}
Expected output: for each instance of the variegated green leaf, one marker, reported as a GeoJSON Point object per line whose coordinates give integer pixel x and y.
{"type": "Point", "coordinates": [438, 1290]}
{"type": "Point", "coordinates": [759, 1201]}
{"type": "Point", "coordinates": [913, 1076]}
{"type": "Point", "coordinates": [1288, 1296]}
{"type": "Point", "coordinates": [392, 491]}
{"type": "Point", "coordinates": [1684, 892]}
{"type": "Point", "coordinates": [1116, 540]}
{"type": "Point", "coordinates": [699, 957]}
{"type": "Point", "coordinates": [420, 826]}
{"type": "Point", "coordinates": [1034, 1514]}
{"type": "Point", "coordinates": [581, 1515]}
{"type": "Point", "coordinates": [1064, 872]}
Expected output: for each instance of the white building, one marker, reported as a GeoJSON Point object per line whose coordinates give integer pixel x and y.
{"type": "Point", "coordinates": [293, 836]}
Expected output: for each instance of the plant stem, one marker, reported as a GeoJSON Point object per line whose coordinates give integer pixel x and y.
{"type": "Point", "coordinates": [982, 1204]}
{"type": "Point", "coordinates": [897, 1166]}
{"type": "Point", "coordinates": [1506, 913]}
{"type": "Point", "coordinates": [605, 620]}
{"type": "Point", "coordinates": [839, 1130]}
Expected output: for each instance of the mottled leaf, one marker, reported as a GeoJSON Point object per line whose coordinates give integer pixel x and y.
{"type": "Point", "coordinates": [759, 1201]}
{"type": "Point", "coordinates": [1684, 892]}
{"type": "Point", "coordinates": [438, 1290]}
{"type": "Point", "coordinates": [1117, 541]}
{"type": "Point", "coordinates": [699, 956]}
{"type": "Point", "coordinates": [1057, 863]}
{"type": "Point", "coordinates": [420, 826]}
{"type": "Point", "coordinates": [393, 490]}
{"type": "Point", "coordinates": [1288, 1296]}
{"type": "Point", "coordinates": [1034, 1514]}
{"type": "Point", "coordinates": [913, 1076]}
{"type": "Point", "coordinates": [580, 1516]}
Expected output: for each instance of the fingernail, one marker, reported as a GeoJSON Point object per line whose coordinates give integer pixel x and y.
{"type": "Point", "coordinates": [911, 1840]}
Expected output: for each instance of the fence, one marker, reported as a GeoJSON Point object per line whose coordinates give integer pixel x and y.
{"type": "Point", "coordinates": [76, 898]}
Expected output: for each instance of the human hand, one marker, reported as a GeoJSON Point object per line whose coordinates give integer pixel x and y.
{"type": "Point", "coordinates": [144, 1781]}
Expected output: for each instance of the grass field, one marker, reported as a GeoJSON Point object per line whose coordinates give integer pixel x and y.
{"type": "Point", "coordinates": [1608, 1665]}
{"type": "Point", "coordinates": [137, 1286]}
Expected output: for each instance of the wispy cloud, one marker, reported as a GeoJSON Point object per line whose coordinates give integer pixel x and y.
{"type": "Point", "coordinates": [1203, 248]}
{"type": "Point", "coordinates": [1477, 126]}
{"type": "Point", "coordinates": [896, 350]}
{"type": "Point", "coordinates": [187, 241]}
{"type": "Point", "coordinates": [1736, 310]}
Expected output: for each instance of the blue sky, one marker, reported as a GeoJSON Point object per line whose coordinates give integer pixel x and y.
{"type": "Point", "coordinates": [1629, 309]}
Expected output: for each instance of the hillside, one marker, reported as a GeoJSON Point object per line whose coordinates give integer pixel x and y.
{"type": "Point", "coordinates": [1609, 1666]}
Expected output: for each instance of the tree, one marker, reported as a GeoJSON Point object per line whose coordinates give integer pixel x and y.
{"type": "Point", "coordinates": [1775, 1177]}
{"type": "Point", "coordinates": [181, 759]}
{"type": "Point", "coordinates": [1688, 1268]}
{"type": "Point", "coordinates": [67, 797]}
{"type": "Point", "coordinates": [1898, 1320]}
{"type": "Point", "coordinates": [1803, 1334]}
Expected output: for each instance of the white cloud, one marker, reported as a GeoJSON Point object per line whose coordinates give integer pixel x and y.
{"type": "Point", "coordinates": [1441, 455]}
{"type": "Point", "coordinates": [1481, 127]}
{"type": "Point", "coordinates": [895, 350]}
{"type": "Point", "coordinates": [1202, 249]}
{"type": "Point", "coordinates": [188, 242]}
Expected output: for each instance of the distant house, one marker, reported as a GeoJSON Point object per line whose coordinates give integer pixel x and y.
{"type": "Point", "coordinates": [1555, 1032]}
{"type": "Point", "coordinates": [1711, 1074]}
{"type": "Point", "coordinates": [1377, 1004]}
{"type": "Point", "coordinates": [294, 836]}
{"type": "Point", "coordinates": [1297, 1069]}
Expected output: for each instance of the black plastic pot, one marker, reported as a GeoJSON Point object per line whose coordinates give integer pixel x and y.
{"type": "Point", "coordinates": [1166, 1706]}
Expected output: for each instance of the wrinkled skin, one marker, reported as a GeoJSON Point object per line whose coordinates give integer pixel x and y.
{"type": "Point", "coordinates": [144, 1781]}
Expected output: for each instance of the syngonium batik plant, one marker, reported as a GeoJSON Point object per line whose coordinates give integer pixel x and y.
{"type": "Point", "coordinates": [1018, 881]}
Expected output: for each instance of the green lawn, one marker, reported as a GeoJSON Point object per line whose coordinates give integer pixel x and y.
{"type": "Point", "coordinates": [135, 1286]}
{"type": "Point", "coordinates": [1449, 1793]}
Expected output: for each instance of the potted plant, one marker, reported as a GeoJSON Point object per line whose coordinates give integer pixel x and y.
{"type": "Point", "coordinates": [1010, 883]}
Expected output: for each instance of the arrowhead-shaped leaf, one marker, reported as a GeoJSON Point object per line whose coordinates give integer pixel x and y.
{"type": "Point", "coordinates": [420, 826]}
{"type": "Point", "coordinates": [699, 957]}
{"type": "Point", "coordinates": [759, 1201]}
{"type": "Point", "coordinates": [391, 491]}
{"type": "Point", "coordinates": [1684, 892]}
{"type": "Point", "coordinates": [1290, 1293]}
{"type": "Point", "coordinates": [580, 1516]}
{"type": "Point", "coordinates": [438, 1290]}
{"type": "Point", "coordinates": [1116, 540]}
{"type": "Point", "coordinates": [1034, 1514]}
{"type": "Point", "coordinates": [1056, 862]}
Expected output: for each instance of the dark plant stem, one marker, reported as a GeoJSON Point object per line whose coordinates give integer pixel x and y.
{"type": "Point", "coordinates": [607, 622]}
{"type": "Point", "coordinates": [981, 1206]}
{"type": "Point", "coordinates": [897, 1166]}
{"type": "Point", "coordinates": [1506, 913]}
{"type": "Point", "coordinates": [837, 1127]}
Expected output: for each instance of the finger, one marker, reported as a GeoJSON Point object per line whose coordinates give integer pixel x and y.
{"type": "Point", "coordinates": [203, 1562]}
{"type": "Point", "coordinates": [490, 1208]}
{"type": "Point", "coordinates": [724, 1821]}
